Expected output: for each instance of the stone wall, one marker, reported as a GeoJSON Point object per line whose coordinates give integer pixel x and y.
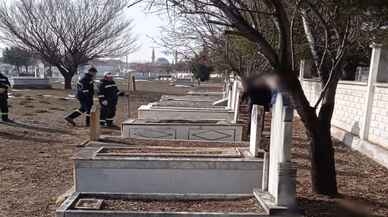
{"type": "Point", "coordinates": [350, 108]}
{"type": "Point", "coordinates": [378, 130]}
{"type": "Point", "coordinates": [350, 98]}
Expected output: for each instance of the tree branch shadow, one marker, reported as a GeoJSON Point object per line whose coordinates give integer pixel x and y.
{"type": "Point", "coordinates": [36, 128]}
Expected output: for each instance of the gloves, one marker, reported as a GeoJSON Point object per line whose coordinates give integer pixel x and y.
{"type": "Point", "coordinates": [104, 102]}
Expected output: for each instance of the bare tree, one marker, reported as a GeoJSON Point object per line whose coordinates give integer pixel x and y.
{"type": "Point", "coordinates": [67, 33]}
{"type": "Point", "coordinates": [189, 34]}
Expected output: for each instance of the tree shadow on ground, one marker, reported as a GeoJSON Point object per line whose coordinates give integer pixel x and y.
{"type": "Point", "coordinates": [36, 128]}
{"type": "Point", "coordinates": [16, 137]}
{"type": "Point", "coordinates": [338, 172]}
{"type": "Point", "coordinates": [333, 208]}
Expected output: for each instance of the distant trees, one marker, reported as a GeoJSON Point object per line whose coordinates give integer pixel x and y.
{"type": "Point", "coordinates": [17, 57]}
{"type": "Point", "coordinates": [67, 33]}
{"type": "Point", "coordinates": [201, 71]}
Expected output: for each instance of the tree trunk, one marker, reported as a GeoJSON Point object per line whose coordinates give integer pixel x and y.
{"type": "Point", "coordinates": [67, 75]}
{"type": "Point", "coordinates": [323, 175]}
{"type": "Point", "coordinates": [68, 80]}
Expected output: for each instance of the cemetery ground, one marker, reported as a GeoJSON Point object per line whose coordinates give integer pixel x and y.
{"type": "Point", "coordinates": [36, 165]}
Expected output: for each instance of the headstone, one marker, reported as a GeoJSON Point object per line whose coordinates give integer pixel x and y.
{"type": "Point", "coordinates": [237, 107]}
{"type": "Point", "coordinates": [306, 67]}
{"type": "Point", "coordinates": [230, 96]}
{"type": "Point", "coordinates": [264, 186]}
{"type": "Point", "coordinates": [256, 129]}
{"type": "Point", "coordinates": [282, 172]}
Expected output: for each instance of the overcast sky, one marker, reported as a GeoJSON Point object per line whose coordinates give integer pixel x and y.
{"type": "Point", "coordinates": [146, 26]}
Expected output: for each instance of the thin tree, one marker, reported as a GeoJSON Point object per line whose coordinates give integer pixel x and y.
{"type": "Point", "coordinates": [67, 33]}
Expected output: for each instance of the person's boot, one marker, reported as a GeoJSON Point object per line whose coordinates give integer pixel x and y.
{"type": "Point", "coordinates": [70, 118]}
{"type": "Point", "coordinates": [103, 124]}
{"type": "Point", "coordinates": [5, 118]}
{"type": "Point", "coordinates": [87, 121]}
{"type": "Point", "coordinates": [109, 123]}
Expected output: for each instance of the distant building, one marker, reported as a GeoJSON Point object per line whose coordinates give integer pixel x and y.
{"type": "Point", "coordinates": [117, 67]}
{"type": "Point", "coordinates": [162, 61]}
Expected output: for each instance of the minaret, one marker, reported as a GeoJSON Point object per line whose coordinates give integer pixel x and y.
{"type": "Point", "coordinates": [153, 55]}
{"type": "Point", "coordinates": [176, 56]}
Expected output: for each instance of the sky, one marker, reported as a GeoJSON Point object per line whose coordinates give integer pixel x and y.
{"type": "Point", "coordinates": [146, 27]}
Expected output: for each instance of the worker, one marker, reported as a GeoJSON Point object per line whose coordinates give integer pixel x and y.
{"type": "Point", "coordinates": [108, 97]}
{"type": "Point", "coordinates": [4, 86]}
{"type": "Point", "coordinates": [85, 93]}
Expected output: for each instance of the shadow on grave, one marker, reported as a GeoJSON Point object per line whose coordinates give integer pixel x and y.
{"type": "Point", "coordinates": [36, 128]}
{"type": "Point", "coordinates": [340, 207]}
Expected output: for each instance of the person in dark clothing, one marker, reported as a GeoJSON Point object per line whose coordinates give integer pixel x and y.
{"type": "Point", "coordinates": [257, 92]}
{"type": "Point", "coordinates": [108, 97]}
{"type": "Point", "coordinates": [85, 93]}
{"type": "Point", "coordinates": [4, 86]}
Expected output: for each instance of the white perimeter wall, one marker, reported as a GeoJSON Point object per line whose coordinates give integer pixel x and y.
{"type": "Point", "coordinates": [350, 108]}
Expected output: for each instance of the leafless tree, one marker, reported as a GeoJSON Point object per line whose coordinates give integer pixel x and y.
{"type": "Point", "coordinates": [190, 34]}
{"type": "Point", "coordinates": [67, 33]}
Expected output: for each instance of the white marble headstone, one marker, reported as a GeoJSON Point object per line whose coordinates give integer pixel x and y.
{"type": "Point", "coordinates": [256, 129]}
{"type": "Point", "coordinates": [280, 183]}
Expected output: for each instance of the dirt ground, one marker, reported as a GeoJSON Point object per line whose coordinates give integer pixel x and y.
{"type": "Point", "coordinates": [36, 166]}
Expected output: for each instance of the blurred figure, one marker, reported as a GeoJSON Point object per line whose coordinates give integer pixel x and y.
{"type": "Point", "coordinates": [4, 86]}
{"type": "Point", "coordinates": [108, 97]}
{"type": "Point", "coordinates": [257, 92]}
{"type": "Point", "coordinates": [85, 93]}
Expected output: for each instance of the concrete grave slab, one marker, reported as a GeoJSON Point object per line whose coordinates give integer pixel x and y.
{"type": "Point", "coordinates": [67, 209]}
{"type": "Point", "coordinates": [147, 112]}
{"type": "Point", "coordinates": [30, 83]}
{"type": "Point", "coordinates": [189, 98]}
{"type": "Point", "coordinates": [200, 93]}
{"type": "Point", "coordinates": [183, 130]}
{"type": "Point", "coordinates": [195, 104]}
{"type": "Point", "coordinates": [158, 174]}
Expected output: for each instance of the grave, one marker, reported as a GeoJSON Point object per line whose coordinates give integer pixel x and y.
{"type": "Point", "coordinates": [145, 170]}
{"type": "Point", "coordinates": [189, 98]}
{"type": "Point", "coordinates": [184, 83]}
{"type": "Point", "coordinates": [163, 205]}
{"type": "Point", "coordinates": [190, 121]}
{"type": "Point", "coordinates": [193, 113]}
{"type": "Point", "coordinates": [204, 93]}
{"type": "Point", "coordinates": [197, 104]}
{"type": "Point", "coordinates": [30, 83]}
{"type": "Point", "coordinates": [183, 130]}
{"type": "Point", "coordinates": [148, 112]}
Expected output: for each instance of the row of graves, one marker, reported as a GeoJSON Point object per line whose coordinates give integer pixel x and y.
{"type": "Point", "coordinates": [195, 163]}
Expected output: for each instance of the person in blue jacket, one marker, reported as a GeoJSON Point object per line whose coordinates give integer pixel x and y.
{"type": "Point", "coordinates": [108, 96]}
{"type": "Point", "coordinates": [4, 86]}
{"type": "Point", "coordinates": [85, 94]}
